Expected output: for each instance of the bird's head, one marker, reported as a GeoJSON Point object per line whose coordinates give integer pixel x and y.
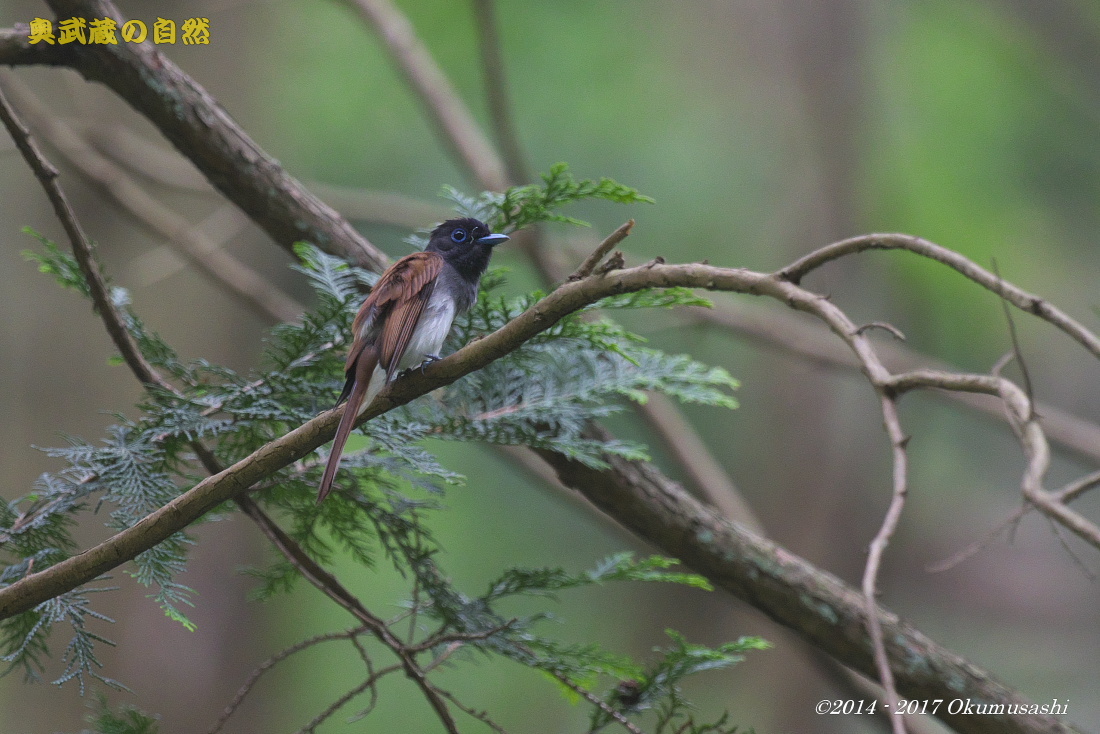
{"type": "Point", "coordinates": [467, 244]}
{"type": "Point", "coordinates": [460, 236]}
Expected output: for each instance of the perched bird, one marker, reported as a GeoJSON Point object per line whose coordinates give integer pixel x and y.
{"type": "Point", "coordinates": [407, 315]}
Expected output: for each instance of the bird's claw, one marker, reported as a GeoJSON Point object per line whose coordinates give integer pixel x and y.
{"type": "Point", "coordinates": [428, 359]}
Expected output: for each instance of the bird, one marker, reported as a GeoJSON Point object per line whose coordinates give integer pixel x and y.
{"type": "Point", "coordinates": [407, 316]}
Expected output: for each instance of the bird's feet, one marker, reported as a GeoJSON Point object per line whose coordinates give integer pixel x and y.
{"type": "Point", "coordinates": [428, 359]}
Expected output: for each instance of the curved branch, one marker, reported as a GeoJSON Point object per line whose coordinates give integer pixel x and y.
{"type": "Point", "coordinates": [1018, 297]}
{"type": "Point", "coordinates": [790, 333]}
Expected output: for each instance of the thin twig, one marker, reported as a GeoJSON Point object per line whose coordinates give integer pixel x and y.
{"type": "Point", "coordinates": [1014, 339]}
{"type": "Point", "coordinates": [462, 637]}
{"type": "Point", "coordinates": [890, 521]}
{"type": "Point", "coordinates": [482, 716]}
{"type": "Point", "coordinates": [340, 702]}
{"type": "Point", "coordinates": [271, 662]}
{"type": "Point", "coordinates": [370, 673]}
{"type": "Point", "coordinates": [334, 590]}
{"type": "Point", "coordinates": [958, 557]}
{"type": "Point", "coordinates": [595, 700]}
{"type": "Point", "coordinates": [601, 251]}
{"type": "Point", "coordinates": [893, 330]}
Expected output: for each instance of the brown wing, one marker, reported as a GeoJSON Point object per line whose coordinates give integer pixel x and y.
{"type": "Point", "coordinates": [389, 315]}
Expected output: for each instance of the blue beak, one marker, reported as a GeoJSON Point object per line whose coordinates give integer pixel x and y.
{"type": "Point", "coordinates": [492, 240]}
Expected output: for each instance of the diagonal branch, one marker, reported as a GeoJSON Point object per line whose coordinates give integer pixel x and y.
{"type": "Point", "coordinates": [270, 663]}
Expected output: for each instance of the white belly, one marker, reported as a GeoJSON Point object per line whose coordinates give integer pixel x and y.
{"type": "Point", "coordinates": [428, 337]}
{"type": "Point", "coordinates": [431, 331]}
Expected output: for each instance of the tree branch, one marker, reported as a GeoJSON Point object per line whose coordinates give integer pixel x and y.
{"type": "Point", "coordinates": [1018, 297]}
{"type": "Point", "coordinates": [791, 333]}
{"type": "Point", "coordinates": [585, 268]}
{"type": "Point", "coordinates": [271, 662]}
{"type": "Point", "coordinates": [496, 91]}
{"type": "Point", "coordinates": [794, 593]}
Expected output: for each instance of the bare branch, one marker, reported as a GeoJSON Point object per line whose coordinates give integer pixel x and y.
{"type": "Point", "coordinates": [898, 440]}
{"type": "Point", "coordinates": [1031, 436]}
{"type": "Point", "coordinates": [609, 243]}
{"type": "Point", "coordinates": [1018, 297]}
{"type": "Point", "coordinates": [482, 716]}
{"type": "Point", "coordinates": [167, 167]}
{"type": "Point", "coordinates": [793, 334]}
{"type": "Point", "coordinates": [1017, 352]}
{"type": "Point", "coordinates": [696, 459]}
{"type": "Point", "coordinates": [270, 663]}
{"type": "Point", "coordinates": [370, 682]}
{"type": "Point", "coordinates": [496, 91]}
{"type": "Point", "coordinates": [893, 330]}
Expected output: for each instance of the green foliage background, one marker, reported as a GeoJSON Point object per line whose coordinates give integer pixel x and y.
{"type": "Point", "coordinates": [761, 133]}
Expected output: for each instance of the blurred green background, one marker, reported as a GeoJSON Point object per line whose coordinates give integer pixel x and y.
{"type": "Point", "coordinates": [763, 130]}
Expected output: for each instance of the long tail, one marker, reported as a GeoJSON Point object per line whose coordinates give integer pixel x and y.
{"type": "Point", "coordinates": [363, 371]}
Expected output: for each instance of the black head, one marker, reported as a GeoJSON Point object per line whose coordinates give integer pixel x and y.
{"type": "Point", "coordinates": [467, 244]}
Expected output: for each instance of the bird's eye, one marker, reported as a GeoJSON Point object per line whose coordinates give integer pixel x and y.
{"type": "Point", "coordinates": [459, 235]}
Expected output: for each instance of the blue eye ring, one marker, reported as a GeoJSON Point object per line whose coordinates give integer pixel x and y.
{"type": "Point", "coordinates": [459, 236]}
